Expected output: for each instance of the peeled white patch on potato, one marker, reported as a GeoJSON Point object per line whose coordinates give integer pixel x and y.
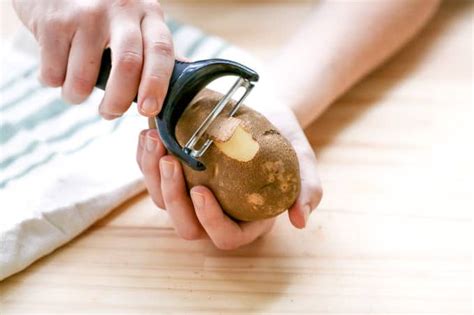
{"type": "Point", "coordinates": [241, 146]}
{"type": "Point", "coordinates": [232, 139]}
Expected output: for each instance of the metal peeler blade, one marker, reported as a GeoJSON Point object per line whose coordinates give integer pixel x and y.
{"type": "Point", "coordinates": [189, 148]}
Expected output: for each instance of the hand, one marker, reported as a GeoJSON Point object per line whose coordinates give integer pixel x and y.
{"type": "Point", "coordinates": [72, 35]}
{"type": "Point", "coordinates": [198, 214]}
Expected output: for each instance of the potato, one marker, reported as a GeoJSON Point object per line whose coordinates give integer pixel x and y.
{"type": "Point", "coordinates": [251, 168]}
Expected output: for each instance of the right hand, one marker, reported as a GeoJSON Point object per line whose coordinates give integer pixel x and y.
{"type": "Point", "coordinates": [72, 35]}
{"type": "Point", "coordinates": [196, 213]}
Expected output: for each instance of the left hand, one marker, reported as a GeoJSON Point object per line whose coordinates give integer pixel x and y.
{"type": "Point", "coordinates": [198, 214]}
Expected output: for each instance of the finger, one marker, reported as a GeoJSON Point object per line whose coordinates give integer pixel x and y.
{"type": "Point", "coordinates": [84, 63]}
{"type": "Point", "coordinates": [158, 64]}
{"type": "Point", "coordinates": [141, 148]}
{"type": "Point", "coordinates": [54, 43]}
{"type": "Point", "coordinates": [182, 58]}
{"type": "Point", "coordinates": [224, 232]}
{"type": "Point", "coordinates": [127, 59]}
{"type": "Point", "coordinates": [311, 192]}
{"type": "Point", "coordinates": [177, 201]}
{"type": "Point", "coordinates": [151, 152]}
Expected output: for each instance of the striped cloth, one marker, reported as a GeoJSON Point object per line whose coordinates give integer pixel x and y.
{"type": "Point", "coordinates": [63, 167]}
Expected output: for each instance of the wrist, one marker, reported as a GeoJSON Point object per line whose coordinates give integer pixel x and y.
{"type": "Point", "coordinates": [268, 93]}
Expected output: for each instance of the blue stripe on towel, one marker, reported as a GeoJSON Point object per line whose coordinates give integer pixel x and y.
{"type": "Point", "coordinates": [52, 109]}
{"type": "Point", "coordinates": [220, 50]}
{"type": "Point", "coordinates": [23, 74]}
{"type": "Point", "coordinates": [19, 98]}
{"type": "Point", "coordinates": [195, 45]}
{"type": "Point", "coordinates": [49, 157]}
{"type": "Point", "coordinates": [34, 144]}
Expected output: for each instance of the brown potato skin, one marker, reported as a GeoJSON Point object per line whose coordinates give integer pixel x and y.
{"type": "Point", "coordinates": [258, 189]}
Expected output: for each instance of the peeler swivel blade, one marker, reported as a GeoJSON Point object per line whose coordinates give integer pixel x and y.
{"type": "Point", "coordinates": [187, 80]}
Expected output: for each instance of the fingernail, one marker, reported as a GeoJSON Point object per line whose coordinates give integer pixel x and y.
{"type": "Point", "coordinates": [198, 200]}
{"type": "Point", "coordinates": [149, 107]}
{"type": "Point", "coordinates": [150, 144]}
{"type": "Point", "coordinates": [104, 112]}
{"type": "Point", "coordinates": [109, 116]}
{"type": "Point", "coordinates": [306, 213]}
{"type": "Point", "coordinates": [167, 169]}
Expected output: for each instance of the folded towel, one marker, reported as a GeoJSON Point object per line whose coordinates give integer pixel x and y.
{"type": "Point", "coordinates": [63, 167]}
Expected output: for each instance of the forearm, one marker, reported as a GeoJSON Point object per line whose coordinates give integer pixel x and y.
{"type": "Point", "coordinates": [338, 45]}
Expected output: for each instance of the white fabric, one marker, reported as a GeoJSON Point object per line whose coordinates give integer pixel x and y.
{"type": "Point", "coordinates": [62, 174]}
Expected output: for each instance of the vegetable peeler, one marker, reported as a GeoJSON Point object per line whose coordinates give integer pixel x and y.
{"type": "Point", "coordinates": [187, 80]}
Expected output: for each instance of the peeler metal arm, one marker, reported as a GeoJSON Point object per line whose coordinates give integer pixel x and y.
{"type": "Point", "coordinates": [186, 82]}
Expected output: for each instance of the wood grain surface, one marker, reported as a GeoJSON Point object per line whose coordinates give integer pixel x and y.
{"type": "Point", "coordinates": [392, 235]}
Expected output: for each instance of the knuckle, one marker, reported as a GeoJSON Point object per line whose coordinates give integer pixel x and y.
{"type": "Point", "coordinates": [82, 84]}
{"type": "Point", "coordinates": [130, 61]}
{"type": "Point", "coordinates": [153, 6]}
{"type": "Point", "coordinates": [162, 46]}
{"type": "Point", "coordinates": [52, 77]}
{"type": "Point", "coordinates": [54, 22]}
{"type": "Point", "coordinates": [91, 15]}
{"type": "Point", "coordinates": [124, 3]}
{"type": "Point", "coordinates": [51, 31]}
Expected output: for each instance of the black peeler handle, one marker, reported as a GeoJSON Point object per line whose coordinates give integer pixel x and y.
{"type": "Point", "coordinates": [104, 72]}
{"type": "Point", "coordinates": [187, 80]}
{"type": "Point", "coordinates": [106, 67]}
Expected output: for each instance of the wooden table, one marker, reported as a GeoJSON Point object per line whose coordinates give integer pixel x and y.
{"type": "Point", "coordinates": [393, 233]}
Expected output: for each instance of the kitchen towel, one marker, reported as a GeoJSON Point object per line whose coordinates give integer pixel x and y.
{"type": "Point", "coordinates": [62, 167]}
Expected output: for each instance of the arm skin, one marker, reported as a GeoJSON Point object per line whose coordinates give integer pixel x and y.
{"type": "Point", "coordinates": [340, 44]}
{"type": "Point", "coordinates": [335, 48]}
